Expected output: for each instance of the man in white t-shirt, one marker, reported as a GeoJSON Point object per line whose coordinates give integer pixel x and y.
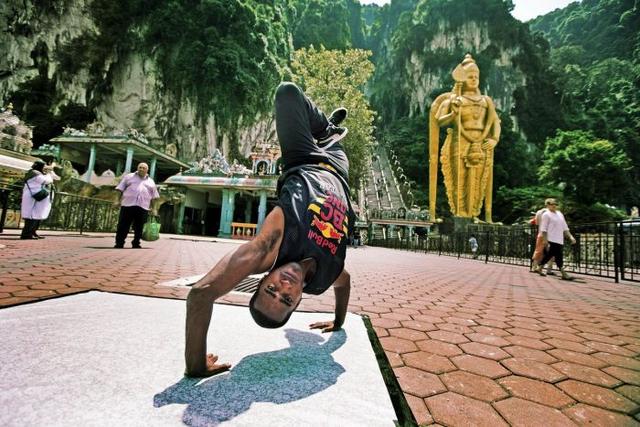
{"type": "Point", "coordinates": [538, 252]}
{"type": "Point", "coordinates": [553, 229]}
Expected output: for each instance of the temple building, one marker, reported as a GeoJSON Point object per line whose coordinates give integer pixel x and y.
{"type": "Point", "coordinates": [208, 198]}
{"type": "Point", "coordinates": [228, 201]}
{"type": "Point", "coordinates": [15, 146]}
{"type": "Point", "coordinates": [15, 161]}
{"type": "Point", "coordinates": [105, 155]}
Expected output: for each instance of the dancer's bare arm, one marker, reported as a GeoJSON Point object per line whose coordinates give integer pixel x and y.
{"type": "Point", "coordinates": [254, 257]}
{"type": "Point", "coordinates": [341, 289]}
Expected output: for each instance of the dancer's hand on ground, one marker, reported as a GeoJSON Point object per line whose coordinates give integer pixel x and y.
{"type": "Point", "coordinates": [325, 326]}
{"type": "Point", "coordinates": [213, 368]}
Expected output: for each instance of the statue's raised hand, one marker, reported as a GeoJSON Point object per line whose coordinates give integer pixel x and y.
{"type": "Point", "coordinates": [455, 104]}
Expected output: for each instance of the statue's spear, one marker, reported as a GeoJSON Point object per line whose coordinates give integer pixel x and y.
{"type": "Point", "coordinates": [459, 76]}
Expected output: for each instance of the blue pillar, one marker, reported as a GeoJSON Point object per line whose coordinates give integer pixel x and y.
{"type": "Point", "coordinates": [180, 220]}
{"type": "Point", "coordinates": [226, 214]}
{"type": "Point", "coordinates": [91, 165]}
{"type": "Point", "coordinates": [129, 161]}
{"type": "Point", "coordinates": [262, 209]}
{"type": "Point", "coordinates": [248, 210]}
{"type": "Point", "coordinates": [152, 168]}
{"type": "Point", "coordinates": [223, 212]}
{"type": "Point", "coordinates": [232, 207]}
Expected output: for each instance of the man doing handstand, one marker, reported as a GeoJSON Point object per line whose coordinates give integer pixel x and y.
{"type": "Point", "coordinates": [302, 243]}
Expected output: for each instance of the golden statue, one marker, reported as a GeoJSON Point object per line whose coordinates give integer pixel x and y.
{"type": "Point", "coordinates": [473, 130]}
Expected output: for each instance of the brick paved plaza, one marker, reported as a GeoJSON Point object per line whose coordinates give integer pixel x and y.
{"type": "Point", "coordinates": [470, 343]}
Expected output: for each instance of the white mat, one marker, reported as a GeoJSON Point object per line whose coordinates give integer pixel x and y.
{"type": "Point", "coordinates": [100, 359]}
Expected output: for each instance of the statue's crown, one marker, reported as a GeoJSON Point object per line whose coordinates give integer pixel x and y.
{"type": "Point", "coordinates": [469, 63]}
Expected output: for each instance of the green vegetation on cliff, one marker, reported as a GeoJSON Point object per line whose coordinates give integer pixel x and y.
{"type": "Point", "coordinates": [588, 169]}
{"type": "Point", "coordinates": [320, 22]}
{"type": "Point", "coordinates": [226, 55]}
{"type": "Point", "coordinates": [581, 73]}
{"type": "Point", "coordinates": [429, 38]}
{"type": "Point", "coordinates": [568, 82]}
{"type": "Point", "coordinates": [601, 28]}
{"type": "Point", "coordinates": [595, 58]}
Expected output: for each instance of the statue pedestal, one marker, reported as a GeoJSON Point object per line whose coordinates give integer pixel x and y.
{"type": "Point", "coordinates": [456, 224]}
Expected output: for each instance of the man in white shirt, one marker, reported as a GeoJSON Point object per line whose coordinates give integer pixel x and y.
{"type": "Point", "coordinates": [553, 229]}
{"type": "Point", "coordinates": [539, 250]}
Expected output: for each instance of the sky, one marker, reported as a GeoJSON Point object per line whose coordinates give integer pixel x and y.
{"type": "Point", "coordinates": [524, 9]}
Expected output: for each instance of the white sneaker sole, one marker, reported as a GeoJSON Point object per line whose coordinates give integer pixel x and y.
{"type": "Point", "coordinates": [327, 143]}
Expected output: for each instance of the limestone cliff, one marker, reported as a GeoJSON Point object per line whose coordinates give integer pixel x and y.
{"type": "Point", "coordinates": [64, 48]}
{"type": "Point", "coordinates": [430, 39]}
{"type": "Point", "coordinates": [424, 78]}
{"type": "Point", "coordinates": [30, 37]}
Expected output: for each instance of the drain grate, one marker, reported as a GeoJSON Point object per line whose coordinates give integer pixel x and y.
{"type": "Point", "coordinates": [248, 285]}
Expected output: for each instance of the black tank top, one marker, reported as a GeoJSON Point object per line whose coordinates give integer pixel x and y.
{"type": "Point", "coordinates": [317, 217]}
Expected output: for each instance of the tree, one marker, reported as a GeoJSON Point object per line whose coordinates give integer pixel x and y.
{"type": "Point", "coordinates": [603, 97]}
{"type": "Point", "coordinates": [590, 169]}
{"type": "Point", "coordinates": [333, 78]}
{"type": "Point", "coordinates": [517, 205]}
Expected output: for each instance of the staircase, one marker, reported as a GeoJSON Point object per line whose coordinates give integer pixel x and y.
{"type": "Point", "coordinates": [382, 191]}
{"type": "Point", "coordinates": [382, 195]}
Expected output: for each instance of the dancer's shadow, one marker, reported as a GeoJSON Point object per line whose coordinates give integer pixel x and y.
{"type": "Point", "coordinates": [280, 376]}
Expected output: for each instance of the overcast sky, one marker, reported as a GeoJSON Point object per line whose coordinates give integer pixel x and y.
{"type": "Point", "coordinates": [524, 10]}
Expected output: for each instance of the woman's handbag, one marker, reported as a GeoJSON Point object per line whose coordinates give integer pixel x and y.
{"type": "Point", "coordinates": [151, 230]}
{"type": "Point", "coordinates": [40, 195]}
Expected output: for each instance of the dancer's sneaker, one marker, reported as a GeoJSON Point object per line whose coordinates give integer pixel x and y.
{"type": "Point", "coordinates": [331, 135]}
{"type": "Point", "coordinates": [337, 116]}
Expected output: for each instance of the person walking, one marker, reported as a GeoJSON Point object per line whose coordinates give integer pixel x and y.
{"type": "Point", "coordinates": [138, 191]}
{"type": "Point", "coordinates": [539, 250]}
{"type": "Point", "coordinates": [38, 179]}
{"type": "Point", "coordinates": [473, 244]}
{"type": "Point", "coordinates": [553, 229]}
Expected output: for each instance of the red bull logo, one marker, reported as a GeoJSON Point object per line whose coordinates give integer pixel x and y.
{"type": "Point", "coordinates": [327, 229]}
{"type": "Point", "coordinates": [330, 221]}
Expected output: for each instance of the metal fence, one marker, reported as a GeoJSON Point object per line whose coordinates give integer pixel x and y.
{"type": "Point", "coordinates": [77, 213]}
{"type": "Point", "coordinates": [69, 212]}
{"type": "Point", "coordinates": [610, 249]}
{"type": "Point", "coordinates": [400, 213]}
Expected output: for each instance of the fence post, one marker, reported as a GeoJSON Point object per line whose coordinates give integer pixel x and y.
{"type": "Point", "coordinates": [82, 210]}
{"type": "Point", "coordinates": [532, 243]}
{"type": "Point", "coordinates": [486, 257]}
{"type": "Point", "coordinates": [4, 200]}
{"type": "Point", "coordinates": [618, 252]}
